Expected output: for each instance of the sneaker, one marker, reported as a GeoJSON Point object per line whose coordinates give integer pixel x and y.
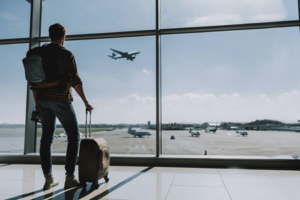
{"type": "Point", "coordinates": [71, 181]}
{"type": "Point", "coordinates": [50, 182]}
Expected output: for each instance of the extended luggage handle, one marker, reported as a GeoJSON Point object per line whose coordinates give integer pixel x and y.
{"type": "Point", "coordinates": [86, 111]}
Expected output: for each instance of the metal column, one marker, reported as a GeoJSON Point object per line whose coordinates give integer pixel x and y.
{"type": "Point", "coordinates": [158, 83]}
{"type": "Point", "coordinates": [30, 126]}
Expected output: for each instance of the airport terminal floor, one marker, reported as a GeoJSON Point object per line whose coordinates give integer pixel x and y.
{"type": "Point", "coordinates": [155, 183]}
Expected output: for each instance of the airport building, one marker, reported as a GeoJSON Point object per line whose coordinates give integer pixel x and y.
{"type": "Point", "coordinates": [157, 72]}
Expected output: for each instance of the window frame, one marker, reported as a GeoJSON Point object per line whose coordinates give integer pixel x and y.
{"type": "Point", "coordinates": [158, 160]}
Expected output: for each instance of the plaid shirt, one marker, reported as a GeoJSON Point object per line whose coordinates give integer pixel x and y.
{"type": "Point", "coordinates": [65, 62]}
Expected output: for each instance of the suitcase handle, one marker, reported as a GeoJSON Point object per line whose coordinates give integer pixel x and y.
{"type": "Point", "coordinates": [89, 123]}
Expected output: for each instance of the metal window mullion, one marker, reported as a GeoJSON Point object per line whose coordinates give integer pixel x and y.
{"type": "Point", "coordinates": [158, 82]}
{"type": "Point", "coordinates": [169, 31]}
{"type": "Point", "coordinates": [30, 126]}
{"type": "Point", "coordinates": [299, 14]}
{"type": "Point", "coordinates": [103, 35]}
{"type": "Point", "coordinates": [14, 41]}
{"type": "Point", "coordinates": [235, 27]}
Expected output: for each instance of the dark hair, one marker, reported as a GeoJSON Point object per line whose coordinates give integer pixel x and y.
{"type": "Point", "coordinates": [56, 31]}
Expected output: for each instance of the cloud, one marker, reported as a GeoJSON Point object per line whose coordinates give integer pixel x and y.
{"type": "Point", "coordinates": [194, 107]}
{"type": "Point", "coordinates": [199, 96]}
{"type": "Point", "coordinates": [136, 98]}
{"type": "Point", "coordinates": [7, 16]}
{"type": "Point", "coordinates": [231, 107]}
{"type": "Point", "coordinates": [215, 20]}
{"type": "Point", "coordinates": [171, 97]}
{"type": "Point", "coordinates": [205, 13]}
{"type": "Point", "coordinates": [145, 71]}
{"type": "Point", "coordinates": [131, 109]}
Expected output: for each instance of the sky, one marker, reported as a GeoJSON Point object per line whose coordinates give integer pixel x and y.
{"type": "Point", "coordinates": [238, 76]}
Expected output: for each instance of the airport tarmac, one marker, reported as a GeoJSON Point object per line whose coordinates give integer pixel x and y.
{"type": "Point", "coordinates": [223, 142]}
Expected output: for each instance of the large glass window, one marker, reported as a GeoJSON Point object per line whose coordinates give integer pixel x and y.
{"type": "Point", "coordinates": [13, 98]}
{"type": "Point", "coordinates": [122, 91]}
{"type": "Point", "coordinates": [14, 19]}
{"type": "Point", "coordinates": [94, 16]}
{"type": "Point", "coordinates": [237, 82]}
{"type": "Point", "coordinates": [193, 13]}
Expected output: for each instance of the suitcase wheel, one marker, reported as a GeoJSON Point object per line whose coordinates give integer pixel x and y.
{"type": "Point", "coordinates": [106, 179]}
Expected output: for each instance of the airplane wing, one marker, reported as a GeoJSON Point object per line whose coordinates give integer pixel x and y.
{"type": "Point", "coordinates": [119, 52]}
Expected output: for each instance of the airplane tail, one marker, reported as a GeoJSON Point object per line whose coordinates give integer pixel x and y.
{"type": "Point", "coordinates": [112, 56]}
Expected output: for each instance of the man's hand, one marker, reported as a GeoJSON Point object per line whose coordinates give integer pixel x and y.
{"type": "Point", "coordinates": [80, 92]}
{"type": "Point", "coordinates": [89, 107]}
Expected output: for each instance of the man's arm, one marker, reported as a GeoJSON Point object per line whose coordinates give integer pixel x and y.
{"type": "Point", "coordinates": [80, 92]}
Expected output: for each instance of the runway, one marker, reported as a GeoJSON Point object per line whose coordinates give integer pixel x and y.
{"type": "Point", "coordinates": [257, 143]}
{"type": "Point", "coordinates": [223, 143]}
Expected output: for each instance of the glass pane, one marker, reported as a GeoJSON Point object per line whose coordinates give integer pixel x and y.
{"type": "Point", "coordinates": [13, 98]}
{"type": "Point", "coordinates": [238, 80]}
{"type": "Point", "coordinates": [121, 91]}
{"type": "Point", "coordinates": [192, 13]}
{"type": "Point", "coordinates": [94, 16]}
{"type": "Point", "coordinates": [14, 19]}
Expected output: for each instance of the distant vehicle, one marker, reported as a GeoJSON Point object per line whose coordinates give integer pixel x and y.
{"type": "Point", "coordinates": [61, 135]}
{"type": "Point", "coordinates": [211, 129]}
{"type": "Point", "coordinates": [242, 133]}
{"type": "Point", "coordinates": [110, 129]}
{"type": "Point", "coordinates": [195, 133]}
{"type": "Point", "coordinates": [128, 55]}
{"type": "Point", "coordinates": [138, 133]}
{"type": "Point", "coordinates": [81, 135]}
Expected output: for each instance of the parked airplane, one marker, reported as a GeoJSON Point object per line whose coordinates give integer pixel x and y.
{"type": "Point", "coordinates": [138, 133]}
{"type": "Point", "coordinates": [62, 135]}
{"type": "Point", "coordinates": [211, 129]}
{"type": "Point", "coordinates": [242, 133]}
{"type": "Point", "coordinates": [129, 55]}
{"type": "Point", "coordinates": [195, 133]}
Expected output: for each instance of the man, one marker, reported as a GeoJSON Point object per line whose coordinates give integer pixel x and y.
{"type": "Point", "coordinates": [57, 102]}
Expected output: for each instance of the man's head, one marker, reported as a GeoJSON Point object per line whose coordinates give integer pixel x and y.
{"type": "Point", "coordinates": [57, 32]}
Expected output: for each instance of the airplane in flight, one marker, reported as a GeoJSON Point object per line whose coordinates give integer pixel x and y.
{"type": "Point", "coordinates": [242, 133]}
{"type": "Point", "coordinates": [211, 129]}
{"type": "Point", "coordinates": [138, 133]}
{"type": "Point", "coordinates": [128, 55]}
{"type": "Point", "coordinates": [195, 133]}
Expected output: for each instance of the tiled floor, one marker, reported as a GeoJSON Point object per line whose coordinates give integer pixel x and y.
{"type": "Point", "coordinates": [146, 183]}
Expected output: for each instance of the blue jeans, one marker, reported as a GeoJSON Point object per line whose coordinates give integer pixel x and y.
{"type": "Point", "coordinates": [65, 113]}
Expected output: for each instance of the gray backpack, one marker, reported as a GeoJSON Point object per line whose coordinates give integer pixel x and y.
{"type": "Point", "coordinates": [34, 72]}
{"type": "Point", "coordinates": [33, 66]}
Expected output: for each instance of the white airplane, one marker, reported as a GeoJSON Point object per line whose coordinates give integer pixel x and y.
{"type": "Point", "coordinates": [211, 129]}
{"type": "Point", "coordinates": [194, 133]}
{"type": "Point", "coordinates": [129, 55]}
{"type": "Point", "coordinates": [62, 135]}
{"type": "Point", "coordinates": [242, 133]}
{"type": "Point", "coordinates": [138, 133]}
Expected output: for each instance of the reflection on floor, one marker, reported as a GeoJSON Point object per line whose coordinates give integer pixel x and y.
{"type": "Point", "coordinates": [156, 183]}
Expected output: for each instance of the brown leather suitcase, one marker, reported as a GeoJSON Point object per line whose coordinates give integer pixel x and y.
{"type": "Point", "coordinates": [94, 158]}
